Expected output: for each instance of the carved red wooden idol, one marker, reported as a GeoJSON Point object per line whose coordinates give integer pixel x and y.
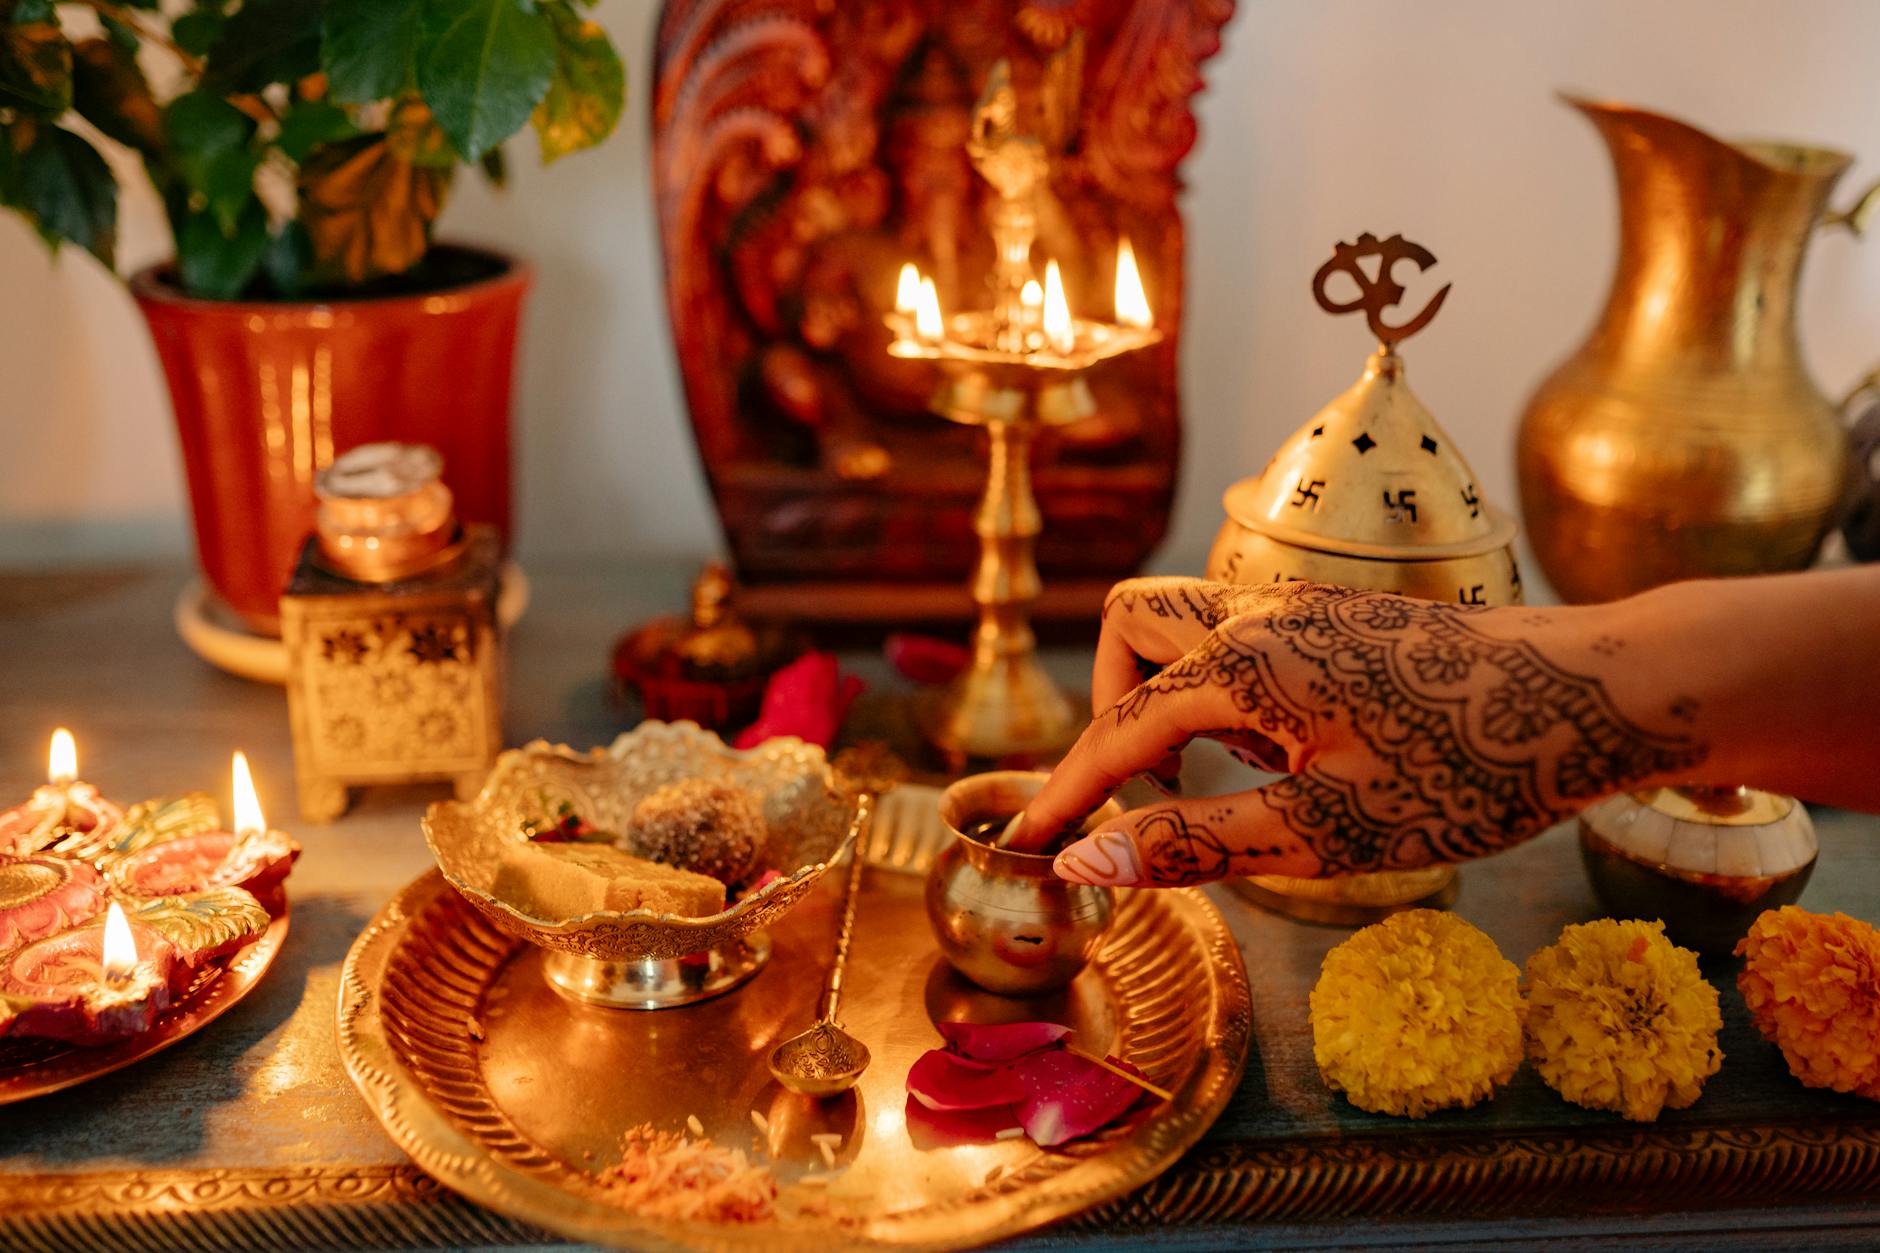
{"type": "Point", "coordinates": [802, 152]}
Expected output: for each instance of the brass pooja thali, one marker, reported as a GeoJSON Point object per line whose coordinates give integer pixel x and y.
{"type": "Point", "coordinates": [516, 1094]}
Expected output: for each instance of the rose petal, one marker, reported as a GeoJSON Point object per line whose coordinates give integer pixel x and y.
{"type": "Point", "coordinates": [1003, 1041]}
{"type": "Point", "coordinates": [807, 699]}
{"type": "Point", "coordinates": [1067, 1096]}
{"type": "Point", "coordinates": [941, 1080]}
{"type": "Point", "coordinates": [944, 1128]}
{"type": "Point", "coordinates": [923, 658]}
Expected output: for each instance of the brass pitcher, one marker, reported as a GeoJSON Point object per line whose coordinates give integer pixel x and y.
{"type": "Point", "coordinates": [1685, 438]}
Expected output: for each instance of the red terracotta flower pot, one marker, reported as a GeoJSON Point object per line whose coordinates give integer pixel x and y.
{"type": "Point", "coordinates": [268, 393]}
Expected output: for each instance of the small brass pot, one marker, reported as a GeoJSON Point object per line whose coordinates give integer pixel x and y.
{"type": "Point", "coordinates": [1003, 919]}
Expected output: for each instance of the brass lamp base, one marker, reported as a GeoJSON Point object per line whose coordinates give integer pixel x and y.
{"type": "Point", "coordinates": [653, 983]}
{"type": "Point", "coordinates": [1007, 708]}
{"type": "Point", "coordinates": [1356, 901]}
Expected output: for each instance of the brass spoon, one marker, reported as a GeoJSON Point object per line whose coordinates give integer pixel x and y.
{"type": "Point", "coordinates": [825, 1060]}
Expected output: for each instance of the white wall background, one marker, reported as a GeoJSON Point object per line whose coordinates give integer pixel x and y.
{"type": "Point", "coordinates": [1323, 118]}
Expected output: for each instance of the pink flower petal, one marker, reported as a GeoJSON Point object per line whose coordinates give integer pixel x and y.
{"type": "Point", "coordinates": [944, 1128]}
{"type": "Point", "coordinates": [923, 658]}
{"type": "Point", "coordinates": [941, 1080]}
{"type": "Point", "coordinates": [1067, 1096]}
{"type": "Point", "coordinates": [807, 699]}
{"type": "Point", "coordinates": [1001, 1042]}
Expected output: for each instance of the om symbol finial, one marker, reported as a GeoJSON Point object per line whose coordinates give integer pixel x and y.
{"type": "Point", "coordinates": [1378, 294]}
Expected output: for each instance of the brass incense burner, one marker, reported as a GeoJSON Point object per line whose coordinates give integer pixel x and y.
{"type": "Point", "coordinates": [1371, 493]}
{"type": "Point", "coordinates": [1012, 369]}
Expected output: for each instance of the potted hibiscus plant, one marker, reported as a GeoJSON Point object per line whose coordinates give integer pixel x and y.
{"type": "Point", "coordinates": [302, 151]}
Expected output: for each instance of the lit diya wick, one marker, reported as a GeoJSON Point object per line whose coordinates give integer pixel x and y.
{"type": "Point", "coordinates": [251, 856]}
{"type": "Point", "coordinates": [93, 983]}
{"type": "Point", "coordinates": [65, 813]}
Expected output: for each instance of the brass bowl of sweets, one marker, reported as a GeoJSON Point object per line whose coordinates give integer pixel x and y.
{"type": "Point", "coordinates": [1003, 918]}
{"type": "Point", "coordinates": [647, 869]}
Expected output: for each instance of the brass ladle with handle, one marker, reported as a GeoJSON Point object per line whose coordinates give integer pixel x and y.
{"type": "Point", "coordinates": [825, 1060]}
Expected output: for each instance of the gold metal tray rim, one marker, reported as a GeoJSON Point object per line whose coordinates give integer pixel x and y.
{"type": "Point", "coordinates": [454, 1159]}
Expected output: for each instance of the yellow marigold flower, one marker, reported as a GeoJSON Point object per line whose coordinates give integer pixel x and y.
{"type": "Point", "coordinates": [1620, 1019]}
{"type": "Point", "coordinates": [1416, 1013]}
{"type": "Point", "coordinates": [1812, 983]}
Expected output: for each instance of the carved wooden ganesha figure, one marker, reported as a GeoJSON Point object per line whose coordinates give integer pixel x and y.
{"type": "Point", "coordinates": [802, 153]}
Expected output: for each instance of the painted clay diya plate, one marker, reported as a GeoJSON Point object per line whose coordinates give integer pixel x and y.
{"type": "Point", "coordinates": [33, 1067]}
{"type": "Point", "coordinates": [205, 909]}
{"type": "Point", "coordinates": [516, 1096]}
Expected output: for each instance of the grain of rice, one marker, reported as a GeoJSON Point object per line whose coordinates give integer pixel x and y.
{"type": "Point", "coordinates": [1009, 1133]}
{"type": "Point", "coordinates": [828, 1152]}
{"type": "Point", "coordinates": [760, 1122]}
{"type": "Point", "coordinates": [698, 1128]}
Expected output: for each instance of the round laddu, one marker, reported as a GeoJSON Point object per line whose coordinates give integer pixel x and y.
{"type": "Point", "coordinates": [703, 825]}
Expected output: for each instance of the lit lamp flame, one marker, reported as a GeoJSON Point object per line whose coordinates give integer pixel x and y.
{"type": "Point", "coordinates": [1057, 311]}
{"type": "Point", "coordinates": [62, 759]}
{"type": "Point", "coordinates": [907, 289]}
{"type": "Point", "coordinates": [1031, 298]}
{"type": "Point", "coordinates": [120, 947]}
{"type": "Point", "coordinates": [927, 321]}
{"type": "Point", "coordinates": [248, 816]}
{"type": "Point", "coordinates": [1132, 303]}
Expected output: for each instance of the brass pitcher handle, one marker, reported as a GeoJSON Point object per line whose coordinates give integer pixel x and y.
{"type": "Point", "coordinates": [1855, 216]}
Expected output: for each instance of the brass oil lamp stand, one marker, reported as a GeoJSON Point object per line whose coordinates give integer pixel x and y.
{"type": "Point", "coordinates": [1011, 369]}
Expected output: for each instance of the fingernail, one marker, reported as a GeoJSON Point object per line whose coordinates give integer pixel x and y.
{"type": "Point", "coordinates": [1103, 859]}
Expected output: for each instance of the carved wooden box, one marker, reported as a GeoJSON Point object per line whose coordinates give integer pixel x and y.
{"type": "Point", "coordinates": [393, 682]}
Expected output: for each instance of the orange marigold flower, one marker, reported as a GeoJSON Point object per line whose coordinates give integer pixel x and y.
{"type": "Point", "coordinates": [1417, 1013]}
{"type": "Point", "coordinates": [1812, 984]}
{"type": "Point", "coordinates": [1619, 1018]}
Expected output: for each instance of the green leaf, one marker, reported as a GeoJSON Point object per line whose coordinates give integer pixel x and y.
{"type": "Point", "coordinates": [122, 34]}
{"type": "Point", "coordinates": [366, 48]}
{"type": "Point", "coordinates": [368, 211]}
{"type": "Point", "coordinates": [35, 67]}
{"type": "Point", "coordinates": [67, 189]}
{"type": "Point", "coordinates": [309, 124]}
{"type": "Point", "coordinates": [267, 41]}
{"type": "Point", "coordinates": [197, 31]}
{"type": "Point", "coordinates": [217, 263]}
{"type": "Point", "coordinates": [211, 138]}
{"type": "Point", "coordinates": [203, 122]}
{"type": "Point", "coordinates": [483, 65]}
{"type": "Point", "coordinates": [109, 91]}
{"type": "Point", "coordinates": [26, 12]}
{"type": "Point", "coordinates": [588, 89]}
{"type": "Point", "coordinates": [289, 256]}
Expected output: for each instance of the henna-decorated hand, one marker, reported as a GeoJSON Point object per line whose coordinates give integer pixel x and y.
{"type": "Point", "coordinates": [1413, 731]}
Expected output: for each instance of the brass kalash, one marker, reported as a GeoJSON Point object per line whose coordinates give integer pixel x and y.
{"type": "Point", "coordinates": [1371, 493]}
{"type": "Point", "coordinates": [1012, 368]}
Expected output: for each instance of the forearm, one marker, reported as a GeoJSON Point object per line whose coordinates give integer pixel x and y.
{"type": "Point", "coordinates": [1778, 676]}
